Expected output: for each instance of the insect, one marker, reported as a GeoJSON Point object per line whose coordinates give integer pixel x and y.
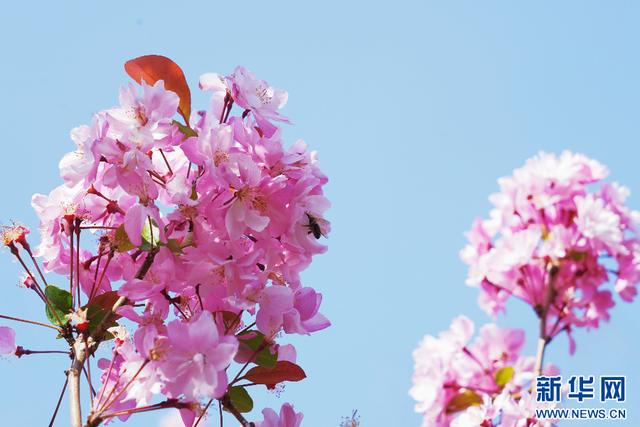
{"type": "Point", "coordinates": [314, 227]}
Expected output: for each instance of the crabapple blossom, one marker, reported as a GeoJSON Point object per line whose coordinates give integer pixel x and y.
{"type": "Point", "coordinates": [7, 341]}
{"type": "Point", "coordinates": [551, 239]}
{"type": "Point", "coordinates": [197, 356]}
{"type": "Point", "coordinates": [259, 97]}
{"type": "Point", "coordinates": [192, 235]}
{"type": "Point", "coordinates": [287, 417]}
{"type": "Point", "coordinates": [459, 382]}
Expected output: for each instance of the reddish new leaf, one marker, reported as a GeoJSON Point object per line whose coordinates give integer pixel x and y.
{"type": "Point", "coordinates": [283, 371]}
{"type": "Point", "coordinates": [152, 68]}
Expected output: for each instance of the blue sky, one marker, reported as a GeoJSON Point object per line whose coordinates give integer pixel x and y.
{"type": "Point", "coordinates": [416, 108]}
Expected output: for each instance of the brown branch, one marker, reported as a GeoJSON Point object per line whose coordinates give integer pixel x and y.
{"type": "Point", "coordinates": [226, 402]}
{"type": "Point", "coordinates": [81, 350]}
{"type": "Point", "coordinates": [544, 338]}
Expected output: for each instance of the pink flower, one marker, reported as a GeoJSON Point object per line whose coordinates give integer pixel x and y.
{"type": "Point", "coordinates": [274, 302]}
{"type": "Point", "coordinates": [304, 318]}
{"type": "Point", "coordinates": [288, 417]}
{"type": "Point", "coordinates": [181, 418]}
{"type": "Point", "coordinates": [548, 235]}
{"type": "Point", "coordinates": [140, 216]}
{"type": "Point", "coordinates": [7, 341]}
{"type": "Point", "coordinates": [599, 224]}
{"type": "Point", "coordinates": [217, 85]}
{"type": "Point", "coordinates": [451, 365]}
{"type": "Point", "coordinates": [204, 228]}
{"type": "Point", "coordinates": [196, 358]}
{"type": "Point", "coordinates": [295, 312]}
{"type": "Point", "coordinates": [256, 95]}
{"type": "Point", "coordinates": [141, 122]}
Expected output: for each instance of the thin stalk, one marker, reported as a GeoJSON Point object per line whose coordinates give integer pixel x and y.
{"type": "Point", "coordinates": [31, 322]}
{"type": "Point", "coordinates": [104, 270]}
{"type": "Point", "coordinates": [97, 227]}
{"type": "Point", "coordinates": [104, 386]}
{"type": "Point", "coordinates": [33, 259]}
{"type": "Point", "coordinates": [25, 352]}
{"type": "Point", "coordinates": [166, 162]}
{"type": "Point", "coordinates": [78, 263]}
{"type": "Point", "coordinates": [226, 401]}
{"type": "Point", "coordinates": [35, 283]}
{"type": "Point", "coordinates": [71, 254]}
{"type": "Point", "coordinates": [55, 412]}
{"type": "Point", "coordinates": [204, 411]}
{"type": "Point", "coordinates": [126, 386]}
{"type": "Point", "coordinates": [171, 403]}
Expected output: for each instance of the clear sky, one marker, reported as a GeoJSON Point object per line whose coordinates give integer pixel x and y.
{"type": "Point", "coordinates": [416, 108]}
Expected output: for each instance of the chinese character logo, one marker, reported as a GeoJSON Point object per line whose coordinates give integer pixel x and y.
{"type": "Point", "coordinates": [581, 388]}
{"type": "Point", "coordinates": [612, 388]}
{"type": "Point", "coordinates": [548, 389]}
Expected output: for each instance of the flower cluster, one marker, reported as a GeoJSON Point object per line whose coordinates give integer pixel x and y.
{"type": "Point", "coordinates": [557, 235]}
{"type": "Point", "coordinates": [196, 233]}
{"type": "Point", "coordinates": [484, 383]}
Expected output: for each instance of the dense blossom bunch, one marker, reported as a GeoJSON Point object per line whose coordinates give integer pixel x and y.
{"type": "Point", "coordinates": [196, 233]}
{"type": "Point", "coordinates": [483, 383]}
{"type": "Point", "coordinates": [557, 235]}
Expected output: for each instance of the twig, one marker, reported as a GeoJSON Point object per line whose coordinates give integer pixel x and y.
{"type": "Point", "coordinates": [55, 412]}
{"type": "Point", "coordinates": [32, 322]}
{"type": "Point", "coordinates": [81, 351]}
{"type": "Point", "coordinates": [226, 401]}
{"type": "Point", "coordinates": [204, 411]}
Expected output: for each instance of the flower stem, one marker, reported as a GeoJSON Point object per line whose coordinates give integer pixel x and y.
{"type": "Point", "coordinates": [204, 411]}
{"type": "Point", "coordinates": [26, 352]}
{"type": "Point", "coordinates": [542, 345]}
{"type": "Point", "coordinates": [55, 412]}
{"type": "Point", "coordinates": [544, 338]}
{"type": "Point", "coordinates": [226, 402]}
{"type": "Point", "coordinates": [32, 322]}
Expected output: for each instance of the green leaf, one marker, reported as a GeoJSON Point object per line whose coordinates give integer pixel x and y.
{"type": "Point", "coordinates": [577, 255]}
{"type": "Point", "coordinates": [123, 244]}
{"type": "Point", "coordinates": [240, 399]}
{"type": "Point", "coordinates": [186, 130]}
{"type": "Point", "coordinates": [174, 246]}
{"type": "Point", "coordinates": [194, 192]}
{"type": "Point", "coordinates": [99, 308]}
{"type": "Point", "coordinates": [254, 341]}
{"type": "Point", "coordinates": [504, 375]}
{"type": "Point", "coordinates": [150, 235]}
{"type": "Point", "coordinates": [462, 401]}
{"type": "Point", "coordinates": [61, 302]}
{"type": "Point", "coordinates": [283, 371]}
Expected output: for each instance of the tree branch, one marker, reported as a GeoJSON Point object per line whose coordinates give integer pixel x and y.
{"type": "Point", "coordinates": [73, 376]}
{"type": "Point", "coordinates": [226, 402]}
{"type": "Point", "coordinates": [80, 350]}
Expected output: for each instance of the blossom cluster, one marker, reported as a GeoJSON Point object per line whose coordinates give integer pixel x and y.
{"type": "Point", "coordinates": [196, 234]}
{"type": "Point", "coordinates": [460, 383]}
{"type": "Point", "coordinates": [556, 237]}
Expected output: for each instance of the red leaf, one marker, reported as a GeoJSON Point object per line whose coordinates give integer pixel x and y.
{"type": "Point", "coordinates": [283, 371]}
{"type": "Point", "coordinates": [152, 68]}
